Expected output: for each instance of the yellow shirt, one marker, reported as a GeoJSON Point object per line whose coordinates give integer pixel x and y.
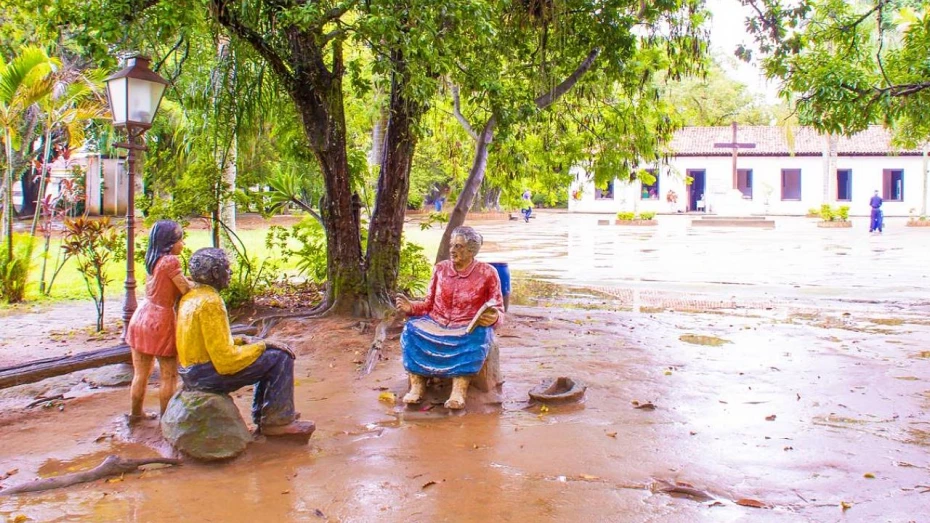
{"type": "Point", "coordinates": [203, 334]}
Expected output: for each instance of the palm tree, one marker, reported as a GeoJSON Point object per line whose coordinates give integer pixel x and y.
{"type": "Point", "coordinates": [23, 81]}
{"type": "Point", "coordinates": [75, 100]}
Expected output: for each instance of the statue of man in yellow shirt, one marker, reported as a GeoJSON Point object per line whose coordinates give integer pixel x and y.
{"type": "Point", "coordinates": [212, 360]}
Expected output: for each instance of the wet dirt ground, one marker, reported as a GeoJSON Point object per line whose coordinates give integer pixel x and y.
{"type": "Point", "coordinates": [773, 383]}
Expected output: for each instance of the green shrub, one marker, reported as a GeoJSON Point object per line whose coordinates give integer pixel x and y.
{"type": "Point", "coordinates": [625, 216]}
{"type": "Point", "coordinates": [813, 213]}
{"type": "Point", "coordinates": [414, 271]}
{"type": "Point", "coordinates": [826, 213]}
{"type": "Point", "coordinates": [92, 243]}
{"type": "Point", "coordinates": [414, 201]}
{"type": "Point", "coordinates": [647, 215]}
{"type": "Point", "coordinates": [843, 213]}
{"type": "Point", "coordinates": [13, 272]}
{"type": "Point", "coordinates": [440, 218]}
{"type": "Point", "coordinates": [310, 252]}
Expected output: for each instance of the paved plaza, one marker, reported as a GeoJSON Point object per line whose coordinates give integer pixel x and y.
{"type": "Point", "coordinates": [797, 264]}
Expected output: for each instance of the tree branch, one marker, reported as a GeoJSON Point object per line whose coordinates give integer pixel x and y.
{"type": "Point", "coordinates": [878, 7]}
{"type": "Point", "coordinates": [881, 42]}
{"type": "Point", "coordinates": [221, 11]}
{"type": "Point", "coordinates": [547, 99]}
{"type": "Point", "coordinates": [306, 208]}
{"type": "Point", "coordinates": [458, 113]}
{"type": "Point", "coordinates": [111, 466]}
{"type": "Point", "coordinates": [174, 48]}
{"type": "Point", "coordinates": [336, 33]}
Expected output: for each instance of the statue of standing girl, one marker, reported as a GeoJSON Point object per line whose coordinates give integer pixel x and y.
{"type": "Point", "coordinates": [151, 332]}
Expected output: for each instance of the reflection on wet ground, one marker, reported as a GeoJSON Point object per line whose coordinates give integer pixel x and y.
{"type": "Point", "coordinates": [810, 404]}
{"type": "Point", "coordinates": [795, 262]}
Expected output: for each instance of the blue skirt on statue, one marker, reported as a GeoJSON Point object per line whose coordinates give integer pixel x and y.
{"type": "Point", "coordinates": [432, 350]}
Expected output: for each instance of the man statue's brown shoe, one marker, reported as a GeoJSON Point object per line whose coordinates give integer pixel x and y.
{"type": "Point", "coordinates": [295, 430]}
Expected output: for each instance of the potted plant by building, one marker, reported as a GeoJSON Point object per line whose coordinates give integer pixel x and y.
{"type": "Point", "coordinates": [917, 221]}
{"type": "Point", "coordinates": [642, 218]}
{"type": "Point", "coordinates": [834, 218]}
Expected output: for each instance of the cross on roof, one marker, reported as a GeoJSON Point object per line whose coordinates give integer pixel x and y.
{"type": "Point", "coordinates": [736, 146]}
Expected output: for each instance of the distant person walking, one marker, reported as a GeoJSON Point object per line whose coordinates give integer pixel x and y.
{"type": "Point", "coordinates": [875, 223]}
{"type": "Point", "coordinates": [438, 203]}
{"type": "Point", "coordinates": [527, 208]}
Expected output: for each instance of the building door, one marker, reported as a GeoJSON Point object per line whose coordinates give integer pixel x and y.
{"type": "Point", "coordinates": [696, 190]}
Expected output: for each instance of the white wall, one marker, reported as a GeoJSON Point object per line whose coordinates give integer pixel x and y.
{"type": "Point", "coordinates": [867, 175]}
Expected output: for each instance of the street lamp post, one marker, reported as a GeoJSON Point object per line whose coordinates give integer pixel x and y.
{"type": "Point", "coordinates": [134, 95]}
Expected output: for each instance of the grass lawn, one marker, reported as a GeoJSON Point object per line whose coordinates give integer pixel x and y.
{"type": "Point", "coordinates": [69, 283]}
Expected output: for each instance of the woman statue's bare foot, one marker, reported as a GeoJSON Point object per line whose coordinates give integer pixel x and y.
{"type": "Point", "coordinates": [417, 389]}
{"type": "Point", "coordinates": [134, 419]}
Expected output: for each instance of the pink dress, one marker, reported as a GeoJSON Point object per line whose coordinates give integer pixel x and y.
{"type": "Point", "coordinates": [151, 329]}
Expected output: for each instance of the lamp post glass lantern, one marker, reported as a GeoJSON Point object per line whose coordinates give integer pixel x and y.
{"type": "Point", "coordinates": [134, 94]}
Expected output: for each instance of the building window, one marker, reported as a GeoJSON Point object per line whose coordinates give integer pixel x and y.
{"type": "Point", "coordinates": [791, 184]}
{"type": "Point", "coordinates": [744, 182]}
{"type": "Point", "coordinates": [844, 185]}
{"type": "Point", "coordinates": [606, 193]}
{"type": "Point", "coordinates": [893, 185]}
{"type": "Point", "coordinates": [650, 191]}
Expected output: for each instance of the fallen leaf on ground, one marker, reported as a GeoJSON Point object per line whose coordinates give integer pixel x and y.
{"type": "Point", "coordinates": [588, 477]}
{"type": "Point", "coordinates": [770, 418]}
{"type": "Point", "coordinates": [845, 505]}
{"type": "Point", "coordinates": [746, 502]}
{"type": "Point", "coordinates": [115, 480]}
{"type": "Point", "coordinates": [611, 434]}
{"type": "Point", "coordinates": [427, 484]}
{"type": "Point", "coordinates": [8, 474]}
{"type": "Point", "coordinates": [387, 397]}
{"type": "Point", "coordinates": [318, 513]}
{"type": "Point", "coordinates": [543, 409]}
{"type": "Point", "coordinates": [19, 518]}
{"type": "Point", "coordinates": [645, 406]}
{"type": "Point", "coordinates": [285, 492]}
{"type": "Point", "coordinates": [868, 475]}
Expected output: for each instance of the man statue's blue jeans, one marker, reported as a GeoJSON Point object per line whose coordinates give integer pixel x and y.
{"type": "Point", "coordinates": [273, 376]}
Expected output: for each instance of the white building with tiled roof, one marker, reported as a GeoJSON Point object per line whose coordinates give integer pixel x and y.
{"type": "Point", "coordinates": [779, 172]}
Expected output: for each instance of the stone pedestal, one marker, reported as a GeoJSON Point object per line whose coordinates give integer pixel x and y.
{"type": "Point", "coordinates": [489, 377]}
{"type": "Point", "coordinates": [205, 425]}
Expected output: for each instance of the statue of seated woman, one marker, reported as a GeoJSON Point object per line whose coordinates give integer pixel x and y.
{"type": "Point", "coordinates": [437, 342]}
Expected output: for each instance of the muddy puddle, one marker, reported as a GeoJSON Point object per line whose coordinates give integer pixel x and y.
{"type": "Point", "coordinates": [797, 417]}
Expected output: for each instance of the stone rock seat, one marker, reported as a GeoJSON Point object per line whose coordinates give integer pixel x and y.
{"type": "Point", "coordinates": [205, 425]}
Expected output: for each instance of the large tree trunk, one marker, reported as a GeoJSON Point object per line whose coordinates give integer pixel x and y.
{"type": "Point", "coordinates": [229, 156]}
{"type": "Point", "coordinates": [387, 221]}
{"type": "Point", "coordinates": [324, 122]}
{"type": "Point", "coordinates": [314, 82]}
{"type": "Point", "coordinates": [472, 184]}
{"type": "Point", "coordinates": [476, 175]}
